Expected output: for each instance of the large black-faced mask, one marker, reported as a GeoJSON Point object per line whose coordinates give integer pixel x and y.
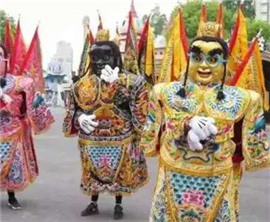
{"type": "Point", "coordinates": [105, 53]}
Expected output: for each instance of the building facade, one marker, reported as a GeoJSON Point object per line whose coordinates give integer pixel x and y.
{"type": "Point", "coordinates": [59, 72]}
{"type": "Point", "coordinates": [262, 10]}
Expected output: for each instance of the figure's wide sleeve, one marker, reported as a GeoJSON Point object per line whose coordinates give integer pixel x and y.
{"type": "Point", "coordinates": [255, 142]}
{"type": "Point", "coordinates": [139, 102]}
{"type": "Point", "coordinates": [34, 106]}
{"type": "Point", "coordinates": [150, 137]}
{"type": "Point", "coordinates": [70, 124]}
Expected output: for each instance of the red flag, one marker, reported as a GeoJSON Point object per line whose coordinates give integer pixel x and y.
{"type": "Point", "coordinates": [143, 39]}
{"type": "Point", "coordinates": [9, 39]}
{"type": "Point", "coordinates": [19, 52]}
{"type": "Point", "coordinates": [220, 19]}
{"type": "Point", "coordinates": [100, 26]}
{"type": "Point", "coordinates": [32, 64]}
{"type": "Point", "coordinates": [91, 37]}
{"type": "Point", "coordinates": [203, 18]}
{"type": "Point", "coordinates": [146, 50]}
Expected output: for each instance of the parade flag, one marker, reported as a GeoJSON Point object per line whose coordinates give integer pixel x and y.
{"type": "Point", "coordinates": [100, 25]}
{"type": "Point", "coordinates": [32, 65]}
{"type": "Point", "coordinates": [180, 47]}
{"type": "Point", "coordinates": [85, 59]}
{"type": "Point", "coordinates": [175, 57]}
{"type": "Point", "coordinates": [146, 50]}
{"type": "Point", "coordinates": [91, 38]}
{"type": "Point", "coordinates": [19, 52]}
{"type": "Point", "coordinates": [220, 19]}
{"type": "Point", "coordinates": [249, 74]}
{"type": "Point", "coordinates": [117, 36]}
{"type": "Point", "coordinates": [9, 39]}
{"type": "Point", "coordinates": [203, 19]}
{"type": "Point", "coordinates": [166, 67]}
{"type": "Point", "coordinates": [238, 45]}
{"type": "Point", "coordinates": [130, 55]}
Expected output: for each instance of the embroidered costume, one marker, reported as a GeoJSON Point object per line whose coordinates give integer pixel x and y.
{"type": "Point", "coordinates": [19, 119]}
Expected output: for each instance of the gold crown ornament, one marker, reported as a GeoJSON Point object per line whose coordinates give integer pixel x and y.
{"type": "Point", "coordinates": [103, 35]}
{"type": "Point", "coordinates": [210, 29]}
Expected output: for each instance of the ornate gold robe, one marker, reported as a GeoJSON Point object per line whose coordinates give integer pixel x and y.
{"type": "Point", "coordinates": [199, 185]}
{"type": "Point", "coordinates": [111, 159]}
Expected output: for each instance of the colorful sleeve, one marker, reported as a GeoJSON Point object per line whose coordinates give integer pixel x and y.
{"type": "Point", "coordinates": [255, 143]}
{"type": "Point", "coordinates": [34, 106]}
{"type": "Point", "coordinates": [139, 102]}
{"type": "Point", "coordinates": [70, 124]}
{"type": "Point", "coordinates": [150, 137]}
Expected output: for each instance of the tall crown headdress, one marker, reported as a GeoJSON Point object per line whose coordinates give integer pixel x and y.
{"type": "Point", "coordinates": [213, 29]}
{"type": "Point", "coordinates": [103, 35]}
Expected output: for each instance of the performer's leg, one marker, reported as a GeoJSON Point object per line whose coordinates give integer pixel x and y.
{"type": "Point", "coordinates": [12, 201]}
{"type": "Point", "coordinates": [118, 209]}
{"type": "Point", "coordinates": [92, 208]}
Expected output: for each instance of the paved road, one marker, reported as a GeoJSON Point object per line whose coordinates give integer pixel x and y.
{"type": "Point", "coordinates": [56, 197]}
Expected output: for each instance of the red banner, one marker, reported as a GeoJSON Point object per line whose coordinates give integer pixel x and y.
{"type": "Point", "coordinates": [32, 65]}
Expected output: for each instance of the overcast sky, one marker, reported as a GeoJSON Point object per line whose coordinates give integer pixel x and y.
{"type": "Point", "coordinates": [62, 19]}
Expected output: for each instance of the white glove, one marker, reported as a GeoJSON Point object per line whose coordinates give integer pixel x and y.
{"type": "Point", "coordinates": [193, 141]}
{"type": "Point", "coordinates": [86, 123]}
{"type": "Point", "coordinates": [109, 75]}
{"type": "Point", "coordinates": [203, 127]}
{"type": "Point", "coordinates": [7, 99]}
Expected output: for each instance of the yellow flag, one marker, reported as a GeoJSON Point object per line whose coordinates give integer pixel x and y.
{"type": "Point", "coordinates": [166, 67]}
{"type": "Point", "coordinates": [257, 68]}
{"type": "Point", "coordinates": [249, 73]}
{"type": "Point", "coordinates": [180, 47]}
{"type": "Point", "coordinates": [238, 45]}
{"type": "Point", "coordinates": [149, 62]}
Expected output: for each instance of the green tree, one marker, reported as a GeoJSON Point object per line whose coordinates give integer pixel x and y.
{"type": "Point", "coordinates": [254, 27]}
{"type": "Point", "coordinates": [158, 21]}
{"type": "Point", "coordinates": [192, 11]}
{"type": "Point", "coordinates": [4, 16]}
{"type": "Point", "coordinates": [248, 7]}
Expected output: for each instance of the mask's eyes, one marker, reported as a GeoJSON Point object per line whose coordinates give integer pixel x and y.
{"type": "Point", "coordinates": [197, 58]}
{"type": "Point", "coordinates": [106, 58]}
{"type": "Point", "coordinates": [212, 60]}
{"type": "Point", "coordinates": [94, 58]}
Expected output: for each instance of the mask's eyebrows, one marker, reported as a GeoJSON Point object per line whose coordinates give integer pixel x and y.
{"type": "Point", "coordinates": [96, 51]}
{"type": "Point", "coordinates": [108, 51]}
{"type": "Point", "coordinates": [196, 49]}
{"type": "Point", "coordinates": [215, 51]}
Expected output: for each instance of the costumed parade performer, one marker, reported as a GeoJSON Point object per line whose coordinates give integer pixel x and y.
{"type": "Point", "coordinates": [21, 114]}
{"type": "Point", "coordinates": [192, 122]}
{"type": "Point", "coordinates": [107, 110]}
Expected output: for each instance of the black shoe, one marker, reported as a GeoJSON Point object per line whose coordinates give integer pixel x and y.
{"type": "Point", "coordinates": [118, 212]}
{"type": "Point", "coordinates": [14, 204]}
{"type": "Point", "coordinates": [91, 209]}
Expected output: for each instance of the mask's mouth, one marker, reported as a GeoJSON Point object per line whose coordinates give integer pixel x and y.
{"type": "Point", "coordinates": [204, 73]}
{"type": "Point", "coordinates": [99, 68]}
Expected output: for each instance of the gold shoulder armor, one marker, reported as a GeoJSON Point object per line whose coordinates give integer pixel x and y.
{"type": "Point", "coordinates": [86, 91]}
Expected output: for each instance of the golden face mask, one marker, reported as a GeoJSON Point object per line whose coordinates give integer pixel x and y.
{"type": "Point", "coordinates": [206, 62]}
